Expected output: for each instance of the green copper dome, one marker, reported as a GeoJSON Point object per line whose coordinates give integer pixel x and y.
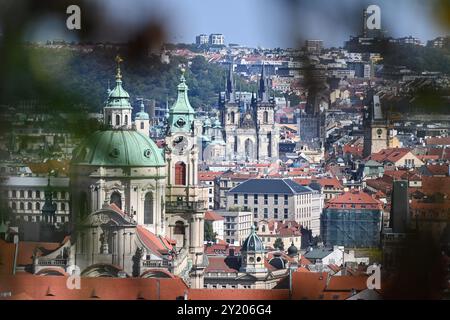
{"type": "Point", "coordinates": [142, 115]}
{"type": "Point", "coordinates": [118, 148]}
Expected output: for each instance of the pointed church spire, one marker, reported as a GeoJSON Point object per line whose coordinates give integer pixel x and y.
{"type": "Point", "coordinates": [230, 80]}
{"type": "Point", "coordinates": [230, 93]}
{"type": "Point", "coordinates": [262, 85]}
{"type": "Point", "coordinates": [181, 114]}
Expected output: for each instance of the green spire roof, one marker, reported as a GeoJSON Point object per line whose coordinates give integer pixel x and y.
{"type": "Point", "coordinates": [118, 97]}
{"type": "Point", "coordinates": [182, 105]}
{"type": "Point", "coordinates": [181, 115]}
{"type": "Point", "coordinates": [142, 115]}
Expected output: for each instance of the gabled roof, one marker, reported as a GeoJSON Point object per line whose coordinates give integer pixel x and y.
{"type": "Point", "coordinates": [270, 186]}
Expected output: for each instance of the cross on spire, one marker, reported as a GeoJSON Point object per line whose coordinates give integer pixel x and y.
{"type": "Point", "coordinates": [119, 60]}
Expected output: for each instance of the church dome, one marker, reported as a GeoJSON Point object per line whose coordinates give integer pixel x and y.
{"type": "Point", "coordinates": [118, 148]}
{"type": "Point", "coordinates": [253, 243]}
{"type": "Point", "coordinates": [292, 250]}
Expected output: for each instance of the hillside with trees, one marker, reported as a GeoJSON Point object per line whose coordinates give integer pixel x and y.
{"type": "Point", "coordinates": [83, 77]}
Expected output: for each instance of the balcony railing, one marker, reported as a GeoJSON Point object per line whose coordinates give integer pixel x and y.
{"type": "Point", "coordinates": [183, 206]}
{"type": "Point", "coordinates": [155, 263]}
{"type": "Point", "coordinates": [52, 262]}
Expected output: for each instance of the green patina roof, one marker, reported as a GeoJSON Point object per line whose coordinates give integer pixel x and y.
{"type": "Point", "coordinates": [118, 148]}
{"type": "Point", "coordinates": [182, 105]}
{"type": "Point", "coordinates": [142, 115]}
{"type": "Point", "coordinates": [118, 97]}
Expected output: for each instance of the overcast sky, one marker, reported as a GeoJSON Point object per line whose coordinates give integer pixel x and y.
{"type": "Point", "coordinates": [265, 23]}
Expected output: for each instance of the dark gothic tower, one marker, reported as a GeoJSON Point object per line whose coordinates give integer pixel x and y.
{"type": "Point", "coordinates": [263, 93]}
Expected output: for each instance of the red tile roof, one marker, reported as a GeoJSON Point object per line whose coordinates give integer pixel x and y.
{"type": "Point", "coordinates": [354, 199]}
{"type": "Point", "coordinates": [212, 216]}
{"type": "Point", "coordinates": [438, 141]}
{"type": "Point", "coordinates": [389, 155]}
{"type": "Point", "coordinates": [55, 288]}
{"type": "Point", "coordinates": [208, 175]}
{"type": "Point", "coordinates": [238, 294]}
{"type": "Point", "coordinates": [308, 285]}
{"type": "Point", "coordinates": [347, 283]}
{"type": "Point", "coordinates": [352, 149]}
{"type": "Point", "coordinates": [156, 244]}
{"type": "Point", "coordinates": [223, 264]}
{"type": "Point", "coordinates": [431, 185]}
{"type": "Point", "coordinates": [438, 170]}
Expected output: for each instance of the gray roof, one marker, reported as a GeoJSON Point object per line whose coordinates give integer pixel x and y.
{"type": "Point", "coordinates": [253, 243]}
{"type": "Point", "coordinates": [318, 253]}
{"type": "Point", "coordinates": [36, 182]}
{"type": "Point", "coordinates": [271, 186]}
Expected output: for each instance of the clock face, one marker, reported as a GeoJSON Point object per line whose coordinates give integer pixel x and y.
{"type": "Point", "coordinates": [379, 131]}
{"type": "Point", "coordinates": [180, 122]}
{"type": "Point", "coordinates": [248, 116]}
{"type": "Point", "coordinates": [180, 144]}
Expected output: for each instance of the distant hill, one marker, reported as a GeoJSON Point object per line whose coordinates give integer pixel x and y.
{"type": "Point", "coordinates": [67, 77]}
{"type": "Point", "coordinates": [417, 58]}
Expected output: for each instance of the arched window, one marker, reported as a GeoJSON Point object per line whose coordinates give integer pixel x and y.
{"type": "Point", "coordinates": [109, 119]}
{"type": "Point", "coordinates": [248, 146]}
{"type": "Point", "coordinates": [179, 227]}
{"type": "Point", "coordinates": [142, 125]}
{"type": "Point", "coordinates": [38, 206]}
{"type": "Point", "coordinates": [116, 198]}
{"type": "Point", "coordinates": [126, 119]}
{"type": "Point", "coordinates": [232, 117]}
{"type": "Point", "coordinates": [29, 206]}
{"type": "Point", "coordinates": [117, 120]}
{"type": "Point", "coordinates": [265, 117]}
{"type": "Point", "coordinates": [180, 173]}
{"type": "Point", "coordinates": [63, 207]}
{"type": "Point", "coordinates": [148, 208]}
{"type": "Point", "coordinates": [22, 206]}
{"type": "Point", "coordinates": [14, 206]}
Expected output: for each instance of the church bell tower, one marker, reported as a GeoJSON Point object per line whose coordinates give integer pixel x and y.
{"type": "Point", "coordinates": [185, 205]}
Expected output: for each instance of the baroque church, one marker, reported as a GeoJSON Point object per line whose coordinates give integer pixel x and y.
{"type": "Point", "coordinates": [250, 132]}
{"type": "Point", "coordinates": [137, 210]}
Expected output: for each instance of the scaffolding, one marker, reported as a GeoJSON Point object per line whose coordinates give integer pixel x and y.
{"type": "Point", "coordinates": [351, 228]}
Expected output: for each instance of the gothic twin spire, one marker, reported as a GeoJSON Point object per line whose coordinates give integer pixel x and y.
{"type": "Point", "coordinates": [263, 92]}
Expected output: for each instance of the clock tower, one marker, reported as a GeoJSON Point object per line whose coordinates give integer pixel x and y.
{"type": "Point", "coordinates": [377, 135]}
{"type": "Point", "coordinates": [185, 205]}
